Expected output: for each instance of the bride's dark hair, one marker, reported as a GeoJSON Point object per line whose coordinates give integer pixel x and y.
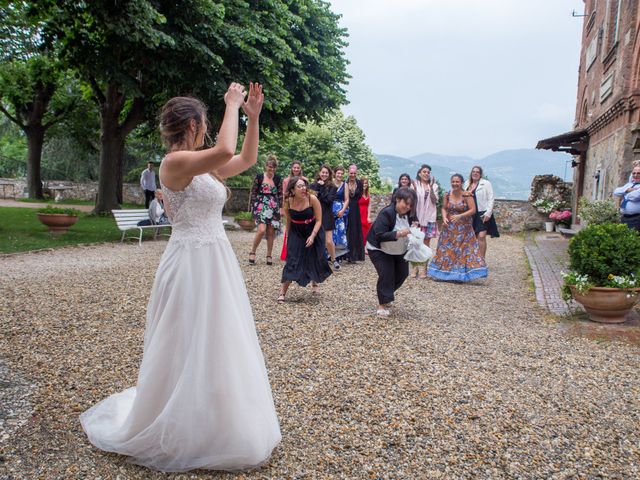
{"type": "Point", "coordinates": [175, 117]}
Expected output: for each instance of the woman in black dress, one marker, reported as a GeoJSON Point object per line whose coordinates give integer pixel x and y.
{"type": "Point", "coordinates": [484, 223]}
{"type": "Point", "coordinates": [326, 194]}
{"type": "Point", "coordinates": [305, 248]}
{"type": "Point", "coordinates": [354, 222]}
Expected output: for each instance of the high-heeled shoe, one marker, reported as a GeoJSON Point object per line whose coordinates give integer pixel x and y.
{"type": "Point", "coordinates": [269, 260]}
{"type": "Point", "coordinates": [252, 258]}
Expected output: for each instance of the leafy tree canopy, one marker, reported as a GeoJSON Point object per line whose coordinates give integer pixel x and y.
{"type": "Point", "coordinates": [336, 140]}
{"type": "Point", "coordinates": [158, 49]}
{"type": "Point", "coordinates": [136, 54]}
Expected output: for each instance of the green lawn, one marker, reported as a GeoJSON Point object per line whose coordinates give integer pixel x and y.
{"type": "Point", "coordinates": [20, 230]}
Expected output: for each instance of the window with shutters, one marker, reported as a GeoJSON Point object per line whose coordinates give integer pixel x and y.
{"type": "Point", "coordinates": [612, 25]}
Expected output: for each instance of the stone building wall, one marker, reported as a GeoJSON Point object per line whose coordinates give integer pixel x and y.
{"type": "Point", "coordinates": [608, 164]}
{"type": "Point", "coordinates": [77, 190]}
{"type": "Point", "coordinates": [608, 95]}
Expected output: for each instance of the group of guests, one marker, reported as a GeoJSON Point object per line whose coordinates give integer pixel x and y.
{"type": "Point", "coordinates": [329, 220]}
{"type": "Point", "coordinates": [344, 208]}
{"type": "Point", "coordinates": [467, 218]}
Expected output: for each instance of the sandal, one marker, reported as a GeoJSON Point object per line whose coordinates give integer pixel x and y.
{"type": "Point", "coordinates": [269, 260]}
{"type": "Point", "coordinates": [252, 261]}
{"type": "Point", "coordinates": [281, 298]}
{"type": "Point", "coordinates": [314, 289]}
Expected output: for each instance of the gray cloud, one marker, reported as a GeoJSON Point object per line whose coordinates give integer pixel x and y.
{"type": "Point", "coordinates": [461, 76]}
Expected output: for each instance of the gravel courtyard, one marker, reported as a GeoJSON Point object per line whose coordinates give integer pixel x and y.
{"type": "Point", "coordinates": [462, 381]}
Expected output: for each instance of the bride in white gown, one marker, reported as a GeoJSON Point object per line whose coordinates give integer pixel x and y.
{"type": "Point", "coordinates": [203, 398]}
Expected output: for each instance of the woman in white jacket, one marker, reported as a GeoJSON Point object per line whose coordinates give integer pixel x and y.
{"type": "Point", "coordinates": [483, 220]}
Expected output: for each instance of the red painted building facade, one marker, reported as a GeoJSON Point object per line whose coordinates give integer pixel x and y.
{"type": "Point", "coordinates": [606, 135]}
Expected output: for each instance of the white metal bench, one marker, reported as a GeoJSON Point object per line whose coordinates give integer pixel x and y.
{"type": "Point", "coordinates": [128, 220]}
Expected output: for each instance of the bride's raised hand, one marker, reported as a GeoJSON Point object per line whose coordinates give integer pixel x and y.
{"type": "Point", "coordinates": [235, 95]}
{"type": "Point", "coordinates": [253, 105]}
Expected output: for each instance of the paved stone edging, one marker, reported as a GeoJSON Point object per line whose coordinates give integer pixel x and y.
{"type": "Point", "coordinates": [547, 255]}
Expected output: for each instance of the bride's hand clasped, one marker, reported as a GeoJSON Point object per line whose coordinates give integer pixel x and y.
{"type": "Point", "coordinates": [235, 95]}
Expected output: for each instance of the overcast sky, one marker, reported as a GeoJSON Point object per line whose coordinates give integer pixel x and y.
{"type": "Point", "coordinates": [467, 77]}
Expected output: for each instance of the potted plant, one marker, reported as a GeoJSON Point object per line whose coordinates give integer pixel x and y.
{"type": "Point", "coordinates": [58, 220]}
{"type": "Point", "coordinates": [561, 217]}
{"type": "Point", "coordinates": [245, 220]}
{"type": "Point", "coordinates": [604, 275]}
{"type": "Point", "coordinates": [546, 206]}
{"type": "Point", "coordinates": [598, 211]}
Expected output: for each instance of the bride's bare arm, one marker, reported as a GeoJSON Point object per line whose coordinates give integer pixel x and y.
{"type": "Point", "coordinates": [249, 153]}
{"type": "Point", "coordinates": [179, 167]}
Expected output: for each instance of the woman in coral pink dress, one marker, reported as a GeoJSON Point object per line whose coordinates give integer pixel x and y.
{"type": "Point", "coordinates": [363, 203]}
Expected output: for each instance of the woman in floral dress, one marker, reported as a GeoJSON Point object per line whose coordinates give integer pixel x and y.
{"type": "Point", "coordinates": [266, 202]}
{"type": "Point", "coordinates": [340, 212]}
{"type": "Point", "coordinates": [457, 257]}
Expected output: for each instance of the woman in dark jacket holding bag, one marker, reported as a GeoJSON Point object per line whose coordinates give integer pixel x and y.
{"type": "Point", "coordinates": [387, 243]}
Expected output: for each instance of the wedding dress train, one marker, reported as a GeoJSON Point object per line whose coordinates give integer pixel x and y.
{"type": "Point", "coordinates": [202, 398]}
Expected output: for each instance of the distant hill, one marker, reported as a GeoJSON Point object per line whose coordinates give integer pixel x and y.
{"type": "Point", "coordinates": [510, 171]}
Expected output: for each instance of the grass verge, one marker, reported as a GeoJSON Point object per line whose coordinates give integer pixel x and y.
{"type": "Point", "coordinates": [20, 231]}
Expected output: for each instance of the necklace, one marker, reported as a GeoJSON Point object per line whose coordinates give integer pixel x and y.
{"type": "Point", "coordinates": [352, 188]}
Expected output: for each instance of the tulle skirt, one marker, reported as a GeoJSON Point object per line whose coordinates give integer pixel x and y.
{"type": "Point", "coordinates": [203, 398]}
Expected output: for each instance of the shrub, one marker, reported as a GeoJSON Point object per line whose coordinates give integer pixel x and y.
{"type": "Point", "coordinates": [546, 205]}
{"type": "Point", "coordinates": [597, 212]}
{"type": "Point", "coordinates": [50, 209]}
{"type": "Point", "coordinates": [239, 181]}
{"type": "Point", "coordinates": [243, 216]}
{"type": "Point", "coordinates": [563, 217]}
{"type": "Point", "coordinates": [601, 251]}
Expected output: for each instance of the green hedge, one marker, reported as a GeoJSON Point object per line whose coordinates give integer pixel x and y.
{"type": "Point", "coordinates": [602, 250]}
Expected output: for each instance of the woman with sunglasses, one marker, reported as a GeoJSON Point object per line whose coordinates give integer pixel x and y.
{"type": "Point", "coordinates": [305, 249]}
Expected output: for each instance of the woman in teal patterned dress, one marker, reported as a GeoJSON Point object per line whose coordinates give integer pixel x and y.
{"type": "Point", "coordinates": [266, 203]}
{"type": "Point", "coordinates": [457, 258]}
{"type": "Point", "coordinates": [340, 212]}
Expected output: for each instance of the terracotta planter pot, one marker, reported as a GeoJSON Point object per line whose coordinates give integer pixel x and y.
{"type": "Point", "coordinates": [247, 225]}
{"type": "Point", "coordinates": [607, 305]}
{"type": "Point", "coordinates": [58, 223]}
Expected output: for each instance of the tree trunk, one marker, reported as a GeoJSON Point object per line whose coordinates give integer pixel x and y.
{"type": "Point", "coordinates": [110, 152]}
{"type": "Point", "coordinates": [35, 141]}
{"type": "Point", "coordinates": [112, 139]}
{"type": "Point", "coordinates": [120, 173]}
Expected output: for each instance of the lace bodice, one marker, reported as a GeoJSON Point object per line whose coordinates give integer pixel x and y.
{"type": "Point", "coordinates": [196, 212]}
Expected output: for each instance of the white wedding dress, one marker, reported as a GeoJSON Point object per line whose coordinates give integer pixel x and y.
{"type": "Point", "coordinates": [203, 398]}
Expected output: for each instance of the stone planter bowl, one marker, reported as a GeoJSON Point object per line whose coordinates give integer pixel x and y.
{"type": "Point", "coordinates": [246, 225]}
{"type": "Point", "coordinates": [58, 223]}
{"type": "Point", "coordinates": [607, 305]}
